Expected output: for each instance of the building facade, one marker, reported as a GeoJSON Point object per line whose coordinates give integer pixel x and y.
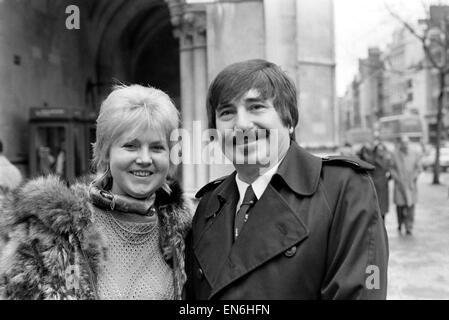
{"type": "Point", "coordinates": [175, 45]}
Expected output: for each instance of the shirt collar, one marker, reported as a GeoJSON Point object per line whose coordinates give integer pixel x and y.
{"type": "Point", "coordinates": [259, 185]}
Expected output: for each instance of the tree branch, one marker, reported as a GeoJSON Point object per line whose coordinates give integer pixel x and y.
{"type": "Point", "coordinates": [404, 23]}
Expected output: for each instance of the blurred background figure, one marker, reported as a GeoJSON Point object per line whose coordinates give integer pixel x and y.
{"type": "Point", "coordinates": [378, 157]}
{"type": "Point", "coordinates": [347, 150]}
{"type": "Point", "coordinates": [365, 153]}
{"type": "Point", "coordinates": [10, 176]}
{"type": "Point", "coordinates": [381, 175]}
{"type": "Point", "coordinates": [46, 161]}
{"type": "Point", "coordinates": [405, 170]}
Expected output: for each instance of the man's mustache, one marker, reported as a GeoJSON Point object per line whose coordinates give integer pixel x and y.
{"type": "Point", "coordinates": [244, 137]}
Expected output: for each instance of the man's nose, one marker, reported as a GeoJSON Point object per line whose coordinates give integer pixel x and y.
{"type": "Point", "coordinates": [243, 120]}
{"type": "Point", "coordinates": [144, 157]}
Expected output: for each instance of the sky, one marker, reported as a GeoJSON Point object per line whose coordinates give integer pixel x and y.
{"type": "Point", "coordinates": [360, 24]}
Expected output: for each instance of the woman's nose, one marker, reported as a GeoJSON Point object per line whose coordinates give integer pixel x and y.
{"type": "Point", "coordinates": [144, 157]}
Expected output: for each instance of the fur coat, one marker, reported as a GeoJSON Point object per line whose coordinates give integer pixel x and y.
{"type": "Point", "coordinates": [48, 240]}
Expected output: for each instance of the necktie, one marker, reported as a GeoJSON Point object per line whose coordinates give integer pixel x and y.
{"type": "Point", "coordinates": [242, 215]}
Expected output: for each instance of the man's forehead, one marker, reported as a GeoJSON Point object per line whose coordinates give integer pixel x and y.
{"type": "Point", "coordinates": [251, 94]}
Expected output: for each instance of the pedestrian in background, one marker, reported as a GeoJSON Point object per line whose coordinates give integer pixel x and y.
{"type": "Point", "coordinates": [347, 150]}
{"type": "Point", "coordinates": [405, 169]}
{"type": "Point", "coordinates": [378, 157]}
{"type": "Point", "coordinates": [381, 175]}
{"type": "Point", "coordinates": [122, 236]}
{"type": "Point", "coordinates": [10, 176]}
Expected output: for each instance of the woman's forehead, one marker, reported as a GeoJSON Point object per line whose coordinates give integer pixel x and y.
{"type": "Point", "coordinates": [143, 133]}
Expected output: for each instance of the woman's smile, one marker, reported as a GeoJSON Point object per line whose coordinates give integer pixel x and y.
{"type": "Point", "coordinates": [141, 173]}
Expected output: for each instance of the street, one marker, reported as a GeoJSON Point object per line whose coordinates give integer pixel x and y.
{"type": "Point", "coordinates": [419, 264]}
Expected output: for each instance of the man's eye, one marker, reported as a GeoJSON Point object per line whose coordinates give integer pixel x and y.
{"type": "Point", "coordinates": [225, 113]}
{"type": "Point", "coordinates": [257, 107]}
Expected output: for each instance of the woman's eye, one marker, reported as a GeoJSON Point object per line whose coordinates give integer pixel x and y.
{"type": "Point", "coordinates": [159, 147]}
{"type": "Point", "coordinates": [129, 146]}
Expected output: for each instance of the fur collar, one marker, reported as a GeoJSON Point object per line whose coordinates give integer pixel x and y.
{"type": "Point", "coordinates": [45, 210]}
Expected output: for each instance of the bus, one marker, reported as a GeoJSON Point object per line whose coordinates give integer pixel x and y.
{"type": "Point", "coordinates": [393, 127]}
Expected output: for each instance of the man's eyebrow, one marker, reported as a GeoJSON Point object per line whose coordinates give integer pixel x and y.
{"type": "Point", "coordinates": [224, 106]}
{"type": "Point", "coordinates": [257, 99]}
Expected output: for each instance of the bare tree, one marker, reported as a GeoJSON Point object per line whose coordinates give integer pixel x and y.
{"type": "Point", "coordinates": [433, 33]}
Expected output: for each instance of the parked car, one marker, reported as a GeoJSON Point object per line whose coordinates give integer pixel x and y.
{"type": "Point", "coordinates": [429, 159]}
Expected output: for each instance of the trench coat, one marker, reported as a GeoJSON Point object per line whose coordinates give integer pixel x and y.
{"type": "Point", "coordinates": [315, 233]}
{"type": "Point", "coordinates": [405, 170]}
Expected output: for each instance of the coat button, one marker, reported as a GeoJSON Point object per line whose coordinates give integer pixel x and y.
{"type": "Point", "coordinates": [199, 273]}
{"type": "Point", "coordinates": [290, 252]}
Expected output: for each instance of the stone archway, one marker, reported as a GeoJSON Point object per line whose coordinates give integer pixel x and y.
{"type": "Point", "coordinates": [161, 43]}
{"type": "Point", "coordinates": [127, 38]}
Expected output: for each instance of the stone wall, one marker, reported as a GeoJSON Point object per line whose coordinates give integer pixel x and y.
{"type": "Point", "coordinates": [41, 63]}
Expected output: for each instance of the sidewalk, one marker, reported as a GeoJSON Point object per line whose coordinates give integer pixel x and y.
{"type": "Point", "coordinates": [419, 264]}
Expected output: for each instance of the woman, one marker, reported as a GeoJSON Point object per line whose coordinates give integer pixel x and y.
{"type": "Point", "coordinates": [121, 237]}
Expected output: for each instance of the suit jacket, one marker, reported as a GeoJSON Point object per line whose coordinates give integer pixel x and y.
{"type": "Point", "coordinates": [316, 233]}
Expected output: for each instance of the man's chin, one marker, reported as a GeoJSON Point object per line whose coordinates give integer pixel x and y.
{"type": "Point", "coordinates": [240, 159]}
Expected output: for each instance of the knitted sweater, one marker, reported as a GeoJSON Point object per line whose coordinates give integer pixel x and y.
{"type": "Point", "coordinates": [53, 250]}
{"type": "Point", "coordinates": [135, 268]}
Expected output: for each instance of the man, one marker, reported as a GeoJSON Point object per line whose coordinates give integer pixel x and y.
{"type": "Point", "coordinates": [405, 170]}
{"type": "Point", "coordinates": [286, 224]}
{"type": "Point", "coordinates": [10, 176]}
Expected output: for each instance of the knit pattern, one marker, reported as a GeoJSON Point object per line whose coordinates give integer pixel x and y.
{"type": "Point", "coordinates": [135, 268]}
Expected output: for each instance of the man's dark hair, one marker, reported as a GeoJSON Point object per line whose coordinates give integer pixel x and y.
{"type": "Point", "coordinates": [268, 78]}
{"type": "Point", "coordinates": [1, 146]}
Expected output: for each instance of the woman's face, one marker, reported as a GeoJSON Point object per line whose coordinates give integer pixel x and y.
{"type": "Point", "coordinates": [139, 166]}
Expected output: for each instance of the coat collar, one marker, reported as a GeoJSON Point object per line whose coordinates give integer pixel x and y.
{"type": "Point", "coordinates": [300, 170]}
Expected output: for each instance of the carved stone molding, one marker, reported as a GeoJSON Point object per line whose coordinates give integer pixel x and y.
{"type": "Point", "coordinates": [188, 20]}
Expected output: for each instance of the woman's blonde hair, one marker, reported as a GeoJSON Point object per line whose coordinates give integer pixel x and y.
{"type": "Point", "coordinates": [127, 111]}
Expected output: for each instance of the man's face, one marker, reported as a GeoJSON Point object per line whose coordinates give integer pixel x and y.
{"type": "Point", "coordinates": [403, 145]}
{"type": "Point", "coordinates": [252, 131]}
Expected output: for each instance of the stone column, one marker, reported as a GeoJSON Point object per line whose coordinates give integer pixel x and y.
{"type": "Point", "coordinates": [190, 27]}
{"type": "Point", "coordinates": [187, 107]}
{"type": "Point", "coordinates": [200, 84]}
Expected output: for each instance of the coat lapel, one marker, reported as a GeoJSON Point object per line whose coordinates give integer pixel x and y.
{"type": "Point", "coordinates": [272, 228]}
{"type": "Point", "coordinates": [213, 245]}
